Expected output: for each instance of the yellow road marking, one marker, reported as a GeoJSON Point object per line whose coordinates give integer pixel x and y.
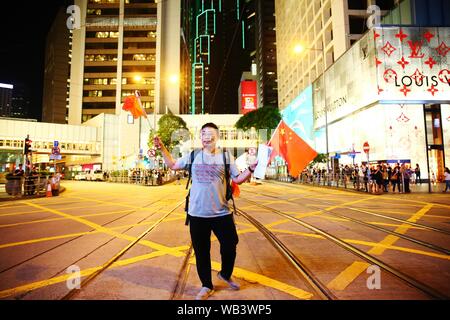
{"type": "Point", "coordinates": [370, 244]}
{"type": "Point", "coordinates": [402, 229]}
{"type": "Point", "coordinates": [421, 202]}
{"type": "Point", "coordinates": [238, 272]}
{"type": "Point", "coordinates": [13, 244]}
{"type": "Point", "coordinates": [266, 281]}
{"type": "Point", "coordinates": [99, 228]}
{"type": "Point", "coordinates": [107, 202]}
{"type": "Point", "coordinates": [83, 273]}
{"type": "Point", "coordinates": [36, 211]}
{"type": "Point", "coordinates": [81, 216]}
{"type": "Point", "coordinates": [348, 275]}
{"type": "Point", "coordinates": [342, 280]}
{"type": "Point", "coordinates": [58, 219]}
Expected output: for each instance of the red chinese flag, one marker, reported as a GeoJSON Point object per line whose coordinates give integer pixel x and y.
{"type": "Point", "coordinates": [133, 105]}
{"type": "Point", "coordinates": [287, 144]}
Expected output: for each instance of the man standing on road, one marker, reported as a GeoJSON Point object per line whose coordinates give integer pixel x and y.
{"type": "Point", "coordinates": [208, 208]}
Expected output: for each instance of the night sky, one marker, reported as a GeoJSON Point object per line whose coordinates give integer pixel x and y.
{"type": "Point", "coordinates": [23, 30]}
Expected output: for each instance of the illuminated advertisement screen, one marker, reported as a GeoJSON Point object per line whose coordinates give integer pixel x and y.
{"type": "Point", "coordinates": [298, 115]}
{"type": "Point", "coordinates": [248, 96]}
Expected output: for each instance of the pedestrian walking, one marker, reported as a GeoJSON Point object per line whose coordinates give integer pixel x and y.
{"type": "Point", "coordinates": [447, 179]}
{"type": "Point", "coordinates": [417, 173]}
{"type": "Point", "coordinates": [208, 208]}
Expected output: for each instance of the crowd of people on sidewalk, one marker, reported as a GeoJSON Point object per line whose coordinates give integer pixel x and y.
{"type": "Point", "coordinates": [143, 176]}
{"type": "Point", "coordinates": [376, 178]}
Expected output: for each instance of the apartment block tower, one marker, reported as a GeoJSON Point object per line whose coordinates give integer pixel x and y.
{"type": "Point", "coordinates": [120, 46]}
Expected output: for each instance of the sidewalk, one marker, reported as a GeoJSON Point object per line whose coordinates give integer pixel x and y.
{"type": "Point", "coordinates": [436, 188]}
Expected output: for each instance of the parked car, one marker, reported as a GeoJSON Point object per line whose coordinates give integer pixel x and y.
{"type": "Point", "coordinates": [96, 175]}
{"type": "Point", "coordinates": [81, 176]}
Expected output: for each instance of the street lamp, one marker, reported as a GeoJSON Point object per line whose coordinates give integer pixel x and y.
{"type": "Point", "coordinates": [298, 49]}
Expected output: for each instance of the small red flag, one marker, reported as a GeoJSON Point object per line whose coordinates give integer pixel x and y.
{"type": "Point", "coordinates": [287, 144]}
{"type": "Point", "coordinates": [133, 104]}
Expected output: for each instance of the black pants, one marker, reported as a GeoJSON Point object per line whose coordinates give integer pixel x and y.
{"type": "Point", "coordinates": [225, 231]}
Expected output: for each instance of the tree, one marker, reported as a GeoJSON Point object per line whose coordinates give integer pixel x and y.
{"type": "Point", "coordinates": [320, 158]}
{"type": "Point", "coordinates": [171, 129]}
{"type": "Point", "coordinates": [266, 117]}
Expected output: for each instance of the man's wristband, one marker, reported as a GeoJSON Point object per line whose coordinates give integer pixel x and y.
{"type": "Point", "coordinates": [250, 169]}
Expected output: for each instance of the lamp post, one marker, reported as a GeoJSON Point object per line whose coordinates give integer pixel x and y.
{"type": "Point", "coordinates": [298, 49]}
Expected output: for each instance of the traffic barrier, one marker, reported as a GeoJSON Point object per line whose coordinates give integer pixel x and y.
{"type": "Point", "coordinates": [49, 190]}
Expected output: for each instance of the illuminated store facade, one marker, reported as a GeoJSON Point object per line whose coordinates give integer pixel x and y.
{"type": "Point", "coordinates": [392, 90]}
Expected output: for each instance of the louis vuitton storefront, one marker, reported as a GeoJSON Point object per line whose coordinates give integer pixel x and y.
{"type": "Point", "coordinates": [391, 90]}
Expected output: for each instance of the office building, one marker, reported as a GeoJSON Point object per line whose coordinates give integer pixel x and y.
{"type": "Point", "coordinates": [117, 48]}
{"type": "Point", "coordinates": [6, 91]}
{"type": "Point", "coordinates": [56, 71]}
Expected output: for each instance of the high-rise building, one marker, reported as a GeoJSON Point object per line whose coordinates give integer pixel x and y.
{"type": "Point", "coordinates": [325, 29]}
{"type": "Point", "coordinates": [21, 102]}
{"type": "Point", "coordinates": [266, 52]}
{"type": "Point", "coordinates": [6, 91]}
{"type": "Point", "coordinates": [56, 71]}
{"type": "Point", "coordinates": [120, 46]}
{"type": "Point", "coordinates": [214, 44]}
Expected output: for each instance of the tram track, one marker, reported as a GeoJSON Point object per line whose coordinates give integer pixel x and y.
{"type": "Point", "coordinates": [183, 275]}
{"type": "Point", "coordinates": [75, 291]}
{"type": "Point", "coordinates": [366, 224]}
{"type": "Point", "coordinates": [309, 278]}
{"type": "Point", "coordinates": [321, 289]}
{"type": "Point", "coordinates": [431, 292]}
{"type": "Point", "coordinates": [415, 224]}
{"type": "Point", "coordinates": [80, 236]}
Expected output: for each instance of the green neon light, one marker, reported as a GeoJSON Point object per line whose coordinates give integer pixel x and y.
{"type": "Point", "coordinates": [243, 35]}
{"type": "Point", "coordinates": [193, 86]}
{"type": "Point", "coordinates": [237, 9]}
{"type": "Point", "coordinates": [193, 90]}
{"type": "Point", "coordinates": [206, 12]}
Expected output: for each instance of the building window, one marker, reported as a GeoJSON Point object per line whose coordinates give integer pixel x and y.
{"type": "Point", "coordinates": [357, 25]}
{"type": "Point", "coordinates": [357, 5]}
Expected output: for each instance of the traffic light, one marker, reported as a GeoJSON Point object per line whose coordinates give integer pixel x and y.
{"type": "Point", "coordinates": [27, 149]}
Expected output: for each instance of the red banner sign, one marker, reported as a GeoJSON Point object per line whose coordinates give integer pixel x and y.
{"type": "Point", "coordinates": [248, 96]}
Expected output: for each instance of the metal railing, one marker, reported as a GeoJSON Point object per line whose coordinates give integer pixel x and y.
{"type": "Point", "coordinates": [345, 181]}
{"type": "Point", "coordinates": [18, 186]}
{"type": "Point", "coordinates": [144, 180]}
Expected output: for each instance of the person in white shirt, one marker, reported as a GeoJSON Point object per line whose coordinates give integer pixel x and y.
{"type": "Point", "coordinates": [208, 208]}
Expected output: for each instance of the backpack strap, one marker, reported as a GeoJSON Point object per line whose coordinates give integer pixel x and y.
{"type": "Point", "coordinates": [186, 206]}
{"type": "Point", "coordinates": [228, 190]}
{"type": "Point", "coordinates": [190, 168]}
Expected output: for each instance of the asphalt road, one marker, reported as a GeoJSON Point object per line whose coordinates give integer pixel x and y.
{"type": "Point", "coordinates": [46, 243]}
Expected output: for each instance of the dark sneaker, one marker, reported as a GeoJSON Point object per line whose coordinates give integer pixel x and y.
{"type": "Point", "coordinates": [233, 285]}
{"type": "Point", "coordinates": [204, 293]}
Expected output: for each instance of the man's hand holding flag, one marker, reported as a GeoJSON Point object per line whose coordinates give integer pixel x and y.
{"type": "Point", "coordinates": [287, 144]}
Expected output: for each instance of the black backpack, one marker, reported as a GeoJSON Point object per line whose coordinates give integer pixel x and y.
{"type": "Point", "coordinates": [229, 191]}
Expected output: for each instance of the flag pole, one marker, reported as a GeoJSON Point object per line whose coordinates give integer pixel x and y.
{"type": "Point", "coordinates": [138, 96]}
{"type": "Point", "coordinates": [274, 131]}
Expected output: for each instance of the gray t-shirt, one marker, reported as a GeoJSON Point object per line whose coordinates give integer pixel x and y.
{"type": "Point", "coordinates": [207, 198]}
